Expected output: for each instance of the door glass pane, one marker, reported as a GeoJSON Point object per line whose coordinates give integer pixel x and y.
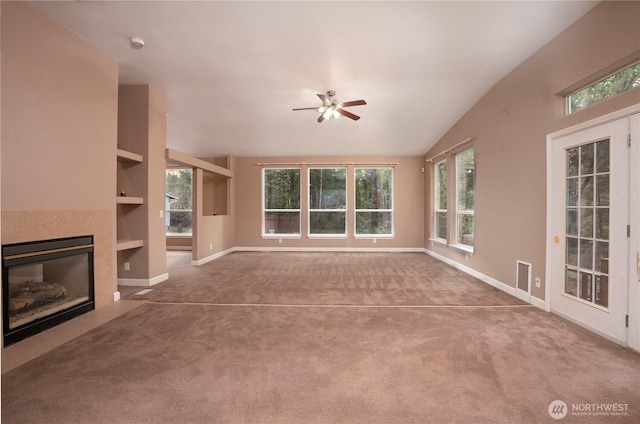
{"type": "Point", "coordinates": [602, 224]}
{"type": "Point", "coordinates": [586, 254]}
{"type": "Point", "coordinates": [571, 282]}
{"type": "Point", "coordinates": [586, 159]}
{"type": "Point", "coordinates": [586, 191]}
{"type": "Point", "coordinates": [602, 290]}
{"type": "Point", "coordinates": [602, 156]}
{"type": "Point", "coordinates": [572, 192]}
{"type": "Point", "coordinates": [587, 223]}
{"type": "Point", "coordinates": [573, 162]}
{"type": "Point", "coordinates": [585, 288]}
{"type": "Point", "coordinates": [602, 190]}
{"type": "Point", "coordinates": [602, 257]}
{"type": "Point", "coordinates": [572, 222]}
{"type": "Point", "coordinates": [572, 251]}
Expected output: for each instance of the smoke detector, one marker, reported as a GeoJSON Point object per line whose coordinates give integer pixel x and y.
{"type": "Point", "coordinates": [137, 43]}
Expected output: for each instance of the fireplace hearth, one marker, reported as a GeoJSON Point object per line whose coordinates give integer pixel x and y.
{"type": "Point", "coordinates": [45, 283]}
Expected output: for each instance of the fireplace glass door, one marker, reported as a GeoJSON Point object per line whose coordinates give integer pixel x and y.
{"type": "Point", "coordinates": [45, 283]}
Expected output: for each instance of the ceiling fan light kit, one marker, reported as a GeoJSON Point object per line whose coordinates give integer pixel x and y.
{"type": "Point", "coordinates": [331, 108]}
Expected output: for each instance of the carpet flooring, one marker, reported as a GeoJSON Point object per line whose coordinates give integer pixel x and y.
{"type": "Point", "coordinates": [327, 278]}
{"type": "Point", "coordinates": [277, 355]}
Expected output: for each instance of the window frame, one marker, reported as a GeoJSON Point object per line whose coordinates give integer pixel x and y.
{"type": "Point", "coordinates": [264, 210]}
{"type": "Point", "coordinates": [169, 211]}
{"type": "Point", "coordinates": [436, 202]}
{"type": "Point", "coordinates": [459, 213]}
{"type": "Point", "coordinates": [567, 98]}
{"type": "Point", "coordinates": [343, 210]}
{"type": "Point", "coordinates": [357, 235]}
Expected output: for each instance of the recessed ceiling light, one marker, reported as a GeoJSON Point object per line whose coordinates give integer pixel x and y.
{"type": "Point", "coordinates": [137, 43]}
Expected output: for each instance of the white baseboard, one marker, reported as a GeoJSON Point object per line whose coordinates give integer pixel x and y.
{"type": "Point", "coordinates": [143, 282]}
{"type": "Point", "coordinates": [590, 328]}
{"type": "Point", "coordinates": [116, 296]}
{"type": "Point", "coordinates": [489, 280]}
{"type": "Point", "coordinates": [213, 257]}
{"type": "Point", "coordinates": [331, 249]}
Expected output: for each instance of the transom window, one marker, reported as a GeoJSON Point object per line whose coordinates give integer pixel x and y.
{"type": "Point", "coordinates": [328, 201]}
{"type": "Point", "coordinates": [374, 201]}
{"type": "Point", "coordinates": [281, 201]}
{"type": "Point", "coordinates": [618, 83]}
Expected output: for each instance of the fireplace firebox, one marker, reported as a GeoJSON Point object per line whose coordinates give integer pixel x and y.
{"type": "Point", "coordinates": [45, 283]}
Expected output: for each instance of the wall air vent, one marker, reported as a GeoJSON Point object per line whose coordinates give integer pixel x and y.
{"type": "Point", "coordinates": [523, 276]}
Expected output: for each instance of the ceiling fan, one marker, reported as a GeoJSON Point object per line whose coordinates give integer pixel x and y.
{"type": "Point", "coordinates": [331, 108]}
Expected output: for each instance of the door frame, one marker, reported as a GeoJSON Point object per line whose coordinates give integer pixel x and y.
{"type": "Point", "coordinates": [614, 116]}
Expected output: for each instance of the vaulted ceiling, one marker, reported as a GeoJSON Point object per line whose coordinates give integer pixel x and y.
{"type": "Point", "coordinates": [234, 70]}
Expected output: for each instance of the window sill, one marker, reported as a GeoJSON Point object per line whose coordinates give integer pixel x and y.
{"type": "Point", "coordinates": [374, 236]}
{"type": "Point", "coordinates": [327, 236]}
{"type": "Point", "coordinates": [438, 241]}
{"type": "Point", "coordinates": [462, 248]}
{"type": "Point", "coordinates": [281, 236]}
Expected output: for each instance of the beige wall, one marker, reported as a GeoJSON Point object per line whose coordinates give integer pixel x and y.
{"type": "Point", "coordinates": [510, 124]}
{"type": "Point", "coordinates": [212, 234]}
{"type": "Point", "coordinates": [59, 125]}
{"type": "Point", "coordinates": [408, 204]}
{"type": "Point", "coordinates": [142, 129]}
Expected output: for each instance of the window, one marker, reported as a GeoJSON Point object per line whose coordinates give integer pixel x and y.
{"type": "Point", "coordinates": [281, 207]}
{"type": "Point", "coordinates": [374, 201]}
{"type": "Point", "coordinates": [587, 223]}
{"type": "Point", "coordinates": [328, 201]}
{"type": "Point", "coordinates": [618, 83]}
{"type": "Point", "coordinates": [440, 200]}
{"type": "Point", "coordinates": [178, 197]}
{"type": "Point", "coordinates": [465, 182]}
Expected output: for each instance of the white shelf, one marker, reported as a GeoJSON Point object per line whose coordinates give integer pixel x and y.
{"type": "Point", "coordinates": [134, 157]}
{"type": "Point", "coordinates": [129, 244]}
{"type": "Point", "coordinates": [128, 200]}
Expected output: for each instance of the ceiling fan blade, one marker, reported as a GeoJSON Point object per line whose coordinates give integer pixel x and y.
{"type": "Point", "coordinates": [323, 97]}
{"type": "Point", "coordinates": [354, 103]}
{"type": "Point", "coordinates": [321, 118]}
{"type": "Point", "coordinates": [348, 114]}
{"type": "Point", "coordinates": [306, 108]}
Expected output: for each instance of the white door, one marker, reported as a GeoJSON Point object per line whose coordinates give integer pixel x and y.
{"type": "Point", "coordinates": [634, 239]}
{"type": "Point", "coordinates": [589, 215]}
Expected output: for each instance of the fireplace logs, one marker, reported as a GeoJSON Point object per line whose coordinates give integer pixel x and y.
{"type": "Point", "coordinates": [30, 294]}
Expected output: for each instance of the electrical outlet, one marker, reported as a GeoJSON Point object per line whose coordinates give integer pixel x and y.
{"type": "Point", "coordinates": [210, 246]}
{"type": "Point", "coordinates": [279, 240]}
{"type": "Point", "coordinates": [538, 282]}
{"type": "Point", "coordinates": [161, 213]}
{"type": "Point", "coordinates": [127, 266]}
{"type": "Point", "coordinates": [375, 241]}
